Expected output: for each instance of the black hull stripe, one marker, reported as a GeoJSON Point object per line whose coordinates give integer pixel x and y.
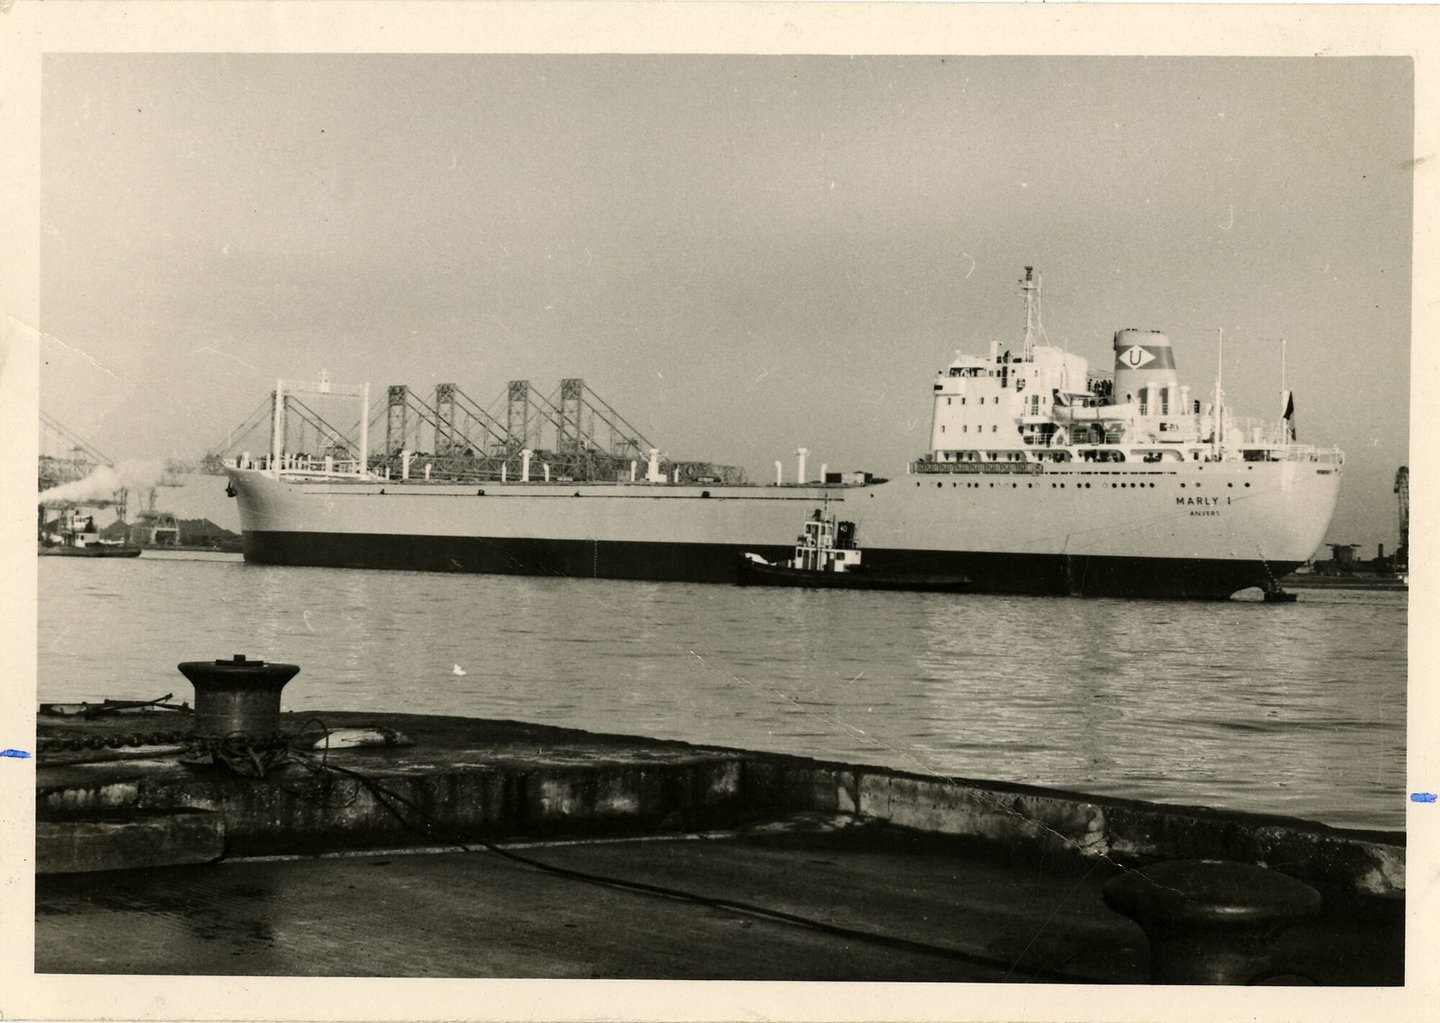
{"type": "Point", "coordinates": [1053, 574]}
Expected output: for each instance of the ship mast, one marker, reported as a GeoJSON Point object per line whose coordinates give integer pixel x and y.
{"type": "Point", "coordinates": [1031, 287]}
{"type": "Point", "coordinates": [1219, 424]}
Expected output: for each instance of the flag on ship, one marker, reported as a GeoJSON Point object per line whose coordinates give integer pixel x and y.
{"type": "Point", "coordinates": [1289, 415]}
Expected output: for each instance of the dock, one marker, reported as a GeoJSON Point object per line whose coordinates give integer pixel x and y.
{"type": "Point", "coordinates": [504, 849]}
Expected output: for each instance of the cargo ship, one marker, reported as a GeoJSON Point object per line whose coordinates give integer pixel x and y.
{"type": "Point", "coordinates": [1043, 477]}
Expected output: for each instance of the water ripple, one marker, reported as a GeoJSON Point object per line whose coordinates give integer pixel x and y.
{"type": "Point", "coordinates": [1297, 709]}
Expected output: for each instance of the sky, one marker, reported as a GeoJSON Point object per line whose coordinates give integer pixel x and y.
{"type": "Point", "coordinates": [740, 254]}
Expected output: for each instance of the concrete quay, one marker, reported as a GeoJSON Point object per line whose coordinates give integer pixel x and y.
{"type": "Point", "coordinates": [655, 859]}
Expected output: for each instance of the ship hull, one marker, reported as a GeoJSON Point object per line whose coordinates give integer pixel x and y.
{"type": "Point", "coordinates": [754, 573]}
{"type": "Point", "coordinates": [1193, 533]}
{"type": "Point", "coordinates": [89, 552]}
{"type": "Point", "coordinates": [982, 572]}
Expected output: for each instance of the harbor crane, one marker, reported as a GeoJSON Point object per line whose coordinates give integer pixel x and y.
{"type": "Point", "coordinates": [79, 460]}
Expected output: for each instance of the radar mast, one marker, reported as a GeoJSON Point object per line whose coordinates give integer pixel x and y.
{"type": "Point", "coordinates": [1033, 327]}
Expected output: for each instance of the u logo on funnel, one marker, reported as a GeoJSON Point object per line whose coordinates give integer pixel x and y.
{"type": "Point", "coordinates": [1136, 356]}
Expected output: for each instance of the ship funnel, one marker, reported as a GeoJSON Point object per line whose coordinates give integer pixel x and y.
{"type": "Point", "coordinates": [800, 454]}
{"type": "Point", "coordinates": [1145, 372]}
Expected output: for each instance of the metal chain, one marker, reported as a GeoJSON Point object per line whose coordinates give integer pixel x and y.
{"type": "Point", "coordinates": [1274, 583]}
{"type": "Point", "coordinates": [117, 741]}
{"type": "Point", "coordinates": [246, 755]}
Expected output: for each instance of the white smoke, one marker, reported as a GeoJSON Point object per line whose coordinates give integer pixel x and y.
{"type": "Point", "coordinates": [104, 480]}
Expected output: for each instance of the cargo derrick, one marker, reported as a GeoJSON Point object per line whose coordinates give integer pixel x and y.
{"type": "Point", "coordinates": [467, 442]}
{"type": "Point", "coordinates": [397, 401]}
{"type": "Point", "coordinates": [322, 439]}
{"type": "Point", "coordinates": [446, 441]}
{"type": "Point", "coordinates": [573, 435]}
{"type": "Point", "coordinates": [592, 442]}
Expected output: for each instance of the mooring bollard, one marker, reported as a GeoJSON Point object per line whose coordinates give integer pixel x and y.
{"type": "Point", "coordinates": [1211, 921]}
{"type": "Point", "coordinates": [237, 697]}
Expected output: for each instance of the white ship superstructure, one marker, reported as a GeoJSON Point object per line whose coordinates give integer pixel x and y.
{"type": "Point", "coordinates": [1043, 477]}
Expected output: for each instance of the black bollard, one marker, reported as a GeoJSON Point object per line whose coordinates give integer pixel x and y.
{"type": "Point", "coordinates": [237, 697]}
{"type": "Point", "coordinates": [1211, 921]}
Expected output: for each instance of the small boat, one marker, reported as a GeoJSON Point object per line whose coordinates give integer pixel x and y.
{"type": "Point", "coordinates": [827, 557]}
{"type": "Point", "coordinates": [1279, 596]}
{"type": "Point", "coordinates": [75, 536]}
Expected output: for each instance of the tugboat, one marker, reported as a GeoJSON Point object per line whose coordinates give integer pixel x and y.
{"type": "Point", "coordinates": [75, 536]}
{"type": "Point", "coordinates": [827, 557]}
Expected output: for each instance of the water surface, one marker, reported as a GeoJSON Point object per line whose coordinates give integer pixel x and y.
{"type": "Point", "coordinates": [1296, 709]}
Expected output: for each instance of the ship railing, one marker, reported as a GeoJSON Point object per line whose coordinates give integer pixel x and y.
{"type": "Point", "coordinates": [1284, 451]}
{"type": "Point", "coordinates": [299, 465]}
{"type": "Point", "coordinates": [1326, 456]}
{"type": "Point", "coordinates": [1249, 430]}
{"type": "Point", "coordinates": [941, 468]}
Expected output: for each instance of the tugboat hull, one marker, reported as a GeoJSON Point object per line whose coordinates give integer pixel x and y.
{"type": "Point", "coordinates": [90, 552]}
{"type": "Point", "coordinates": [755, 573]}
